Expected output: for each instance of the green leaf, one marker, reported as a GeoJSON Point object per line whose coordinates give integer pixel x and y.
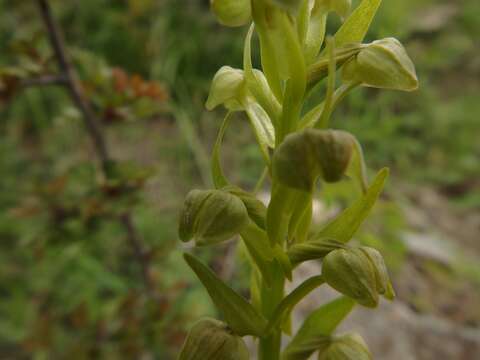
{"type": "Point", "coordinates": [257, 83]}
{"type": "Point", "coordinates": [313, 249]}
{"type": "Point", "coordinates": [317, 328]}
{"type": "Point", "coordinates": [357, 169]}
{"type": "Point", "coordinates": [239, 314]}
{"type": "Point", "coordinates": [356, 26]}
{"type": "Point", "coordinates": [316, 32]}
{"type": "Point", "coordinates": [344, 226]}
{"type": "Point", "coordinates": [261, 124]}
{"type": "Point", "coordinates": [219, 179]}
{"type": "Point", "coordinates": [279, 212]}
{"type": "Point", "coordinates": [288, 303]}
{"type": "Point", "coordinates": [259, 248]}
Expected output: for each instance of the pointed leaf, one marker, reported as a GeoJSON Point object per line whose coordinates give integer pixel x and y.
{"type": "Point", "coordinates": [344, 226]}
{"type": "Point", "coordinates": [313, 249]}
{"type": "Point", "coordinates": [288, 303]}
{"type": "Point", "coordinates": [259, 248]}
{"type": "Point", "coordinates": [317, 328]}
{"type": "Point", "coordinates": [239, 314]}
{"type": "Point", "coordinates": [219, 179]}
{"type": "Point", "coordinates": [356, 26]}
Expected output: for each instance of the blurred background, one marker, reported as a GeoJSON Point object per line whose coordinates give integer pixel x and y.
{"type": "Point", "coordinates": [75, 282]}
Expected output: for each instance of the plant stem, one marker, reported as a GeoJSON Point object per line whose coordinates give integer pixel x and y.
{"type": "Point", "coordinates": [269, 347]}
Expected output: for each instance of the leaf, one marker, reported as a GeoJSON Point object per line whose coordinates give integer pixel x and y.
{"type": "Point", "coordinates": [316, 32]}
{"type": "Point", "coordinates": [257, 84]}
{"type": "Point", "coordinates": [258, 246]}
{"type": "Point", "coordinates": [356, 26]}
{"type": "Point", "coordinates": [262, 125]}
{"type": "Point", "coordinates": [239, 314]}
{"type": "Point", "coordinates": [357, 169]}
{"type": "Point", "coordinates": [344, 226]}
{"type": "Point", "coordinates": [317, 328]}
{"type": "Point", "coordinates": [218, 177]}
{"type": "Point", "coordinates": [285, 307]}
{"type": "Point", "coordinates": [313, 249]}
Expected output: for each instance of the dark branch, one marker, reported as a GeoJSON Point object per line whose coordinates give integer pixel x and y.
{"type": "Point", "coordinates": [47, 80]}
{"type": "Point", "coordinates": [69, 78]}
{"type": "Point", "coordinates": [73, 85]}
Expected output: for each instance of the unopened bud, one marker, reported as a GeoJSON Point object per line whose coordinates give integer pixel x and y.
{"type": "Point", "coordinates": [346, 347]}
{"type": "Point", "coordinates": [358, 273]}
{"type": "Point", "coordinates": [210, 339]}
{"type": "Point", "coordinates": [382, 64]}
{"type": "Point", "coordinates": [226, 89]}
{"type": "Point", "coordinates": [211, 216]}
{"type": "Point", "coordinates": [305, 155]}
{"type": "Point", "coordinates": [232, 12]}
{"type": "Point", "coordinates": [256, 209]}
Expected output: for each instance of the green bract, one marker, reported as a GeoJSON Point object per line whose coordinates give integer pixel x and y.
{"type": "Point", "coordinates": [211, 216]}
{"type": "Point", "coordinates": [210, 339]}
{"type": "Point", "coordinates": [345, 347]}
{"type": "Point", "coordinates": [305, 155]}
{"type": "Point", "coordinates": [232, 12]}
{"type": "Point", "coordinates": [359, 273]}
{"type": "Point", "coordinates": [382, 64]}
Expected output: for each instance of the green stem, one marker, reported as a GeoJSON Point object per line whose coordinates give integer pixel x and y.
{"type": "Point", "coordinates": [269, 347]}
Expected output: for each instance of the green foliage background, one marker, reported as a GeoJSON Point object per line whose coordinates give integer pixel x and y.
{"type": "Point", "coordinates": [68, 283]}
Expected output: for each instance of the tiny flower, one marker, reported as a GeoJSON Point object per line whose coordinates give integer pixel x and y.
{"type": "Point", "coordinates": [226, 89]}
{"type": "Point", "coordinates": [345, 347]}
{"type": "Point", "coordinates": [210, 339]}
{"type": "Point", "coordinates": [382, 64]}
{"type": "Point", "coordinates": [232, 12]}
{"type": "Point", "coordinates": [211, 216]}
{"type": "Point", "coordinates": [305, 155]}
{"type": "Point", "coordinates": [359, 273]}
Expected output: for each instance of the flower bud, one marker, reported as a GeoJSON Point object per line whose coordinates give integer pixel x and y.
{"type": "Point", "coordinates": [359, 273]}
{"type": "Point", "coordinates": [211, 216]}
{"type": "Point", "coordinates": [232, 12]}
{"type": "Point", "coordinates": [305, 155]}
{"type": "Point", "coordinates": [256, 209]}
{"type": "Point", "coordinates": [227, 88]}
{"type": "Point", "coordinates": [384, 285]}
{"type": "Point", "coordinates": [382, 64]}
{"type": "Point", "coordinates": [346, 347]}
{"type": "Point", "coordinates": [210, 339]}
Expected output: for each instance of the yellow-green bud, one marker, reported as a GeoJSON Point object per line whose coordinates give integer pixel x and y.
{"type": "Point", "coordinates": [232, 12]}
{"type": "Point", "coordinates": [382, 64]}
{"type": "Point", "coordinates": [210, 339]}
{"type": "Point", "coordinates": [305, 155]}
{"type": "Point", "coordinates": [359, 273]}
{"type": "Point", "coordinates": [384, 285]}
{"type": "Point", "coordinates": [346, 347]}
{"type": "Point", "coordinates": [211, 216]}
{"type": "Point", "coordinates": [226, 89]}
{"type": "Point", "coordinates": [257, 210]}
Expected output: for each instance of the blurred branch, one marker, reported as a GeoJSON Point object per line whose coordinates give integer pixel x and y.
{"type": "Point", "coordinates": [69, 79]}
{"type": "Point", "coordinates": [47, 80]}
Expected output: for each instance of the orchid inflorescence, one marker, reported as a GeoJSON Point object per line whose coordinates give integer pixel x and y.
{"type": "Point", "coordinates": [300, 151]}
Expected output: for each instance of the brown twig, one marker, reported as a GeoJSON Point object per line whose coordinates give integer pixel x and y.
{"type": "Point", "coordinates": [47, 80]}
{"type": "Point", "coordinates": [69, 79]}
